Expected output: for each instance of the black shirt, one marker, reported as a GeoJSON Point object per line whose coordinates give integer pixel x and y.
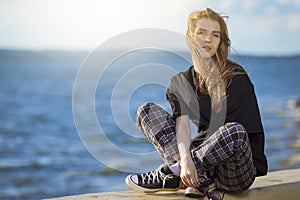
{"type": "Point", "coordinates": [241, 106]}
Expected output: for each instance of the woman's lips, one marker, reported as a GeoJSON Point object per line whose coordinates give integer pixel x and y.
{"type": "Point", "coordinates": [207, 48]}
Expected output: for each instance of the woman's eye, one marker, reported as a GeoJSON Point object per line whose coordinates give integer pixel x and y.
{"type": "Point", "coordinates": [200, 32]}
{"type": "Point", "coordinates": [216, 35]}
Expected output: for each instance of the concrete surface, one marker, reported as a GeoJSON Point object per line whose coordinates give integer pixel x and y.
{"type": "Point", "coordinates": [283, 185]}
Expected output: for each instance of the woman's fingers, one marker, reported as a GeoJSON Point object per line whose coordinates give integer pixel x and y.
{"type": "Point", "coordinates": [189, 175]}
{"type": "Point", "coordinates": [190, 180]}
{"type": "Point", "coordinates": [186, 181]}
{"type": "Point", "coordinates": [196, 180]}
{"type": "Point", "coordinates": [193, 180]}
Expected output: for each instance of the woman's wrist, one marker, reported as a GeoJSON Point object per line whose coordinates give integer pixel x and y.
{"type": "Point", "coordinates": [185, 156]}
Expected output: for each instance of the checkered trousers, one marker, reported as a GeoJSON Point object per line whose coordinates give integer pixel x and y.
{"type": "Point", "coordinates": [226, 153]}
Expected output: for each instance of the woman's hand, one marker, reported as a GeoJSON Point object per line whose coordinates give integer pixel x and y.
{"type": "Point", "coordinates": [188, 172]}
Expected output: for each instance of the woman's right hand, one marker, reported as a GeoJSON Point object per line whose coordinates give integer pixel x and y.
{"type": "Point", "coordinates": [188, 172]}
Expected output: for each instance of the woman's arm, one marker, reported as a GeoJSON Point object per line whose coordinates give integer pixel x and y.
{"type": "Point", "coordinates": [188, 172]}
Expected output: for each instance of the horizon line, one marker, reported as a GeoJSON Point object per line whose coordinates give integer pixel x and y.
{"type": "Point", "coordinates": [83, 50]}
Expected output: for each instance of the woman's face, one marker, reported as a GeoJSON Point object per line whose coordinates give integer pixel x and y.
{"type": "Point", "coordinates": [207, 36]}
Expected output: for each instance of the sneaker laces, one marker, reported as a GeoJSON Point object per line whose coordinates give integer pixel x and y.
{"type": "Point", "coordinates": [156, 176]}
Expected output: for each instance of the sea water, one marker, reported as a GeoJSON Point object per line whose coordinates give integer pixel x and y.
{"type": "Point", "coordinates": [45, 153]}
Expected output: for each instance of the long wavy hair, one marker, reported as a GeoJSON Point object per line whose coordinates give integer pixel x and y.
{"type": "Point", "coordinates": [214, 74]}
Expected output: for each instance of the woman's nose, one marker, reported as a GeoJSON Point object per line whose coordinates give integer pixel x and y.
{"type": "Point", "coordinates": [207, 38]}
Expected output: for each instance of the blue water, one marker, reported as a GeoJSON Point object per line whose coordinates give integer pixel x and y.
{"type": "Point", "coordinates": [42, 154]}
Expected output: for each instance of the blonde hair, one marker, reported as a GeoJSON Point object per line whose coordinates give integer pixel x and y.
{"type": "Point", "coordinates": [215, 74]}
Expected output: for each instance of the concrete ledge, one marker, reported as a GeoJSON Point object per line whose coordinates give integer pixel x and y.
{"type": "Point", "coordinates": [283, 184]}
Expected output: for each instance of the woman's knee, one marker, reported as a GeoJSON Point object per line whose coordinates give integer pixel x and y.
{"type": "Point", "coordinates": [143, 110]}
{"type": "Point", "coordinates": [235, 128]}
{"type": "Point", "coordinates": [235, 125]}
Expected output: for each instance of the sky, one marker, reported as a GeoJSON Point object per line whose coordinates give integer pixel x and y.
{"type": "Point", "coordinates": [255, 26]}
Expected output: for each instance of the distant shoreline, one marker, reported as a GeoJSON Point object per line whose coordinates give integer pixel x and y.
{"type": "Point", "coordinates": [55, 51]}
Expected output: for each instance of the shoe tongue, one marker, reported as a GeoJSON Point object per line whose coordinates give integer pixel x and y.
{"type": "Point", "coordinates": [166, 170]}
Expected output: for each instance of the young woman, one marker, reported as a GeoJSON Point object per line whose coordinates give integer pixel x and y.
{"type": "Point", "coordinates": [217, 95]}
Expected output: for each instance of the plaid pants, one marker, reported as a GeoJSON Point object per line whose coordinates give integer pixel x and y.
{"type": "Point", "coordinates": [226, 153]}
